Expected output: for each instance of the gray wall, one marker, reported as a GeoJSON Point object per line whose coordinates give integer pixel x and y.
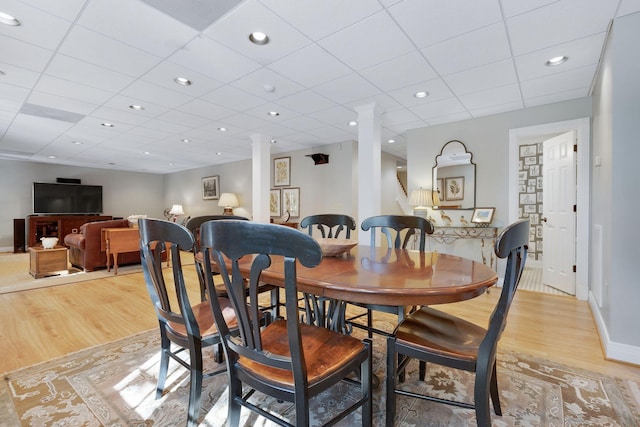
{"type": "Point", "coordinates": [616, 197]}
{"type": "Point", "coordinates": [124, 193]}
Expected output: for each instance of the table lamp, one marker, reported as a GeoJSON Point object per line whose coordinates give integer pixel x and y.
{"type": "Point", "coordinates": [175, 212]}
{"type": "Point", "coordinates": [228, 201]}
{"type": "Point", "coordinates": [421, 200]}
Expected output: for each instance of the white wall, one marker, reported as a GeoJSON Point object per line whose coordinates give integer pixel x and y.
{"type": "Point", "coordinates": [124, 193]}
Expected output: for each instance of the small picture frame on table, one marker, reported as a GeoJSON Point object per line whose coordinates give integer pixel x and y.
{"type": "Point", "coordinates": [274, 202]}
{"type": "Point", "coordinates": [482, 216]}
{"type": "Point", "coordinates": [211, 187]}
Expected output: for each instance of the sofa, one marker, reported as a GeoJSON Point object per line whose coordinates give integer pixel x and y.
{"type": "Point", "coordinates": [85, 246]}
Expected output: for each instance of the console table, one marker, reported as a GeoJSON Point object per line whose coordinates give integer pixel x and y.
{"type": "Point", "coordinates": [486, 235]}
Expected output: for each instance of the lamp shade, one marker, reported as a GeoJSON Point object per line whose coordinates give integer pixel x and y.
{"type": "Point", "coordinates": [228, 200]}
{"type": "Point", "coordinates": [421, 198]}
{"type": "Point", "coordinates": [436, 198]}
{"type": "Point", "coordinates": [176, 210]}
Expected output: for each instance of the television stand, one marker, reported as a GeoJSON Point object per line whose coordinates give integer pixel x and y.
{"type": "Point", "coordinates": [57, 226]}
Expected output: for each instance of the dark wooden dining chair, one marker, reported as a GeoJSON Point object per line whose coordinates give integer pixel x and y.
{"type": "Point", "coordinates": [431, 335]}
{"type": "Point", "coordinates": [329, 225]}
{"type": "Point", "coordinates": [398, 231]}
{"type": "Point", "coordinates": [188, 327]}
{"type": "Point", "coordinates": [288, 359]}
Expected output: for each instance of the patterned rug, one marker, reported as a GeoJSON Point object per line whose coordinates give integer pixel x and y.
{"type": "Point", "coordinates": [114, 385]}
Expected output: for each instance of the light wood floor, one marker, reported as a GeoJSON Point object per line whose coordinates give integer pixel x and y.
{"type": "Point", "coordinates": [42, 324]}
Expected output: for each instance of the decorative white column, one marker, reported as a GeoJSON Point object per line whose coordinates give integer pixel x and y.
{"type": "Point", "coordinates": [369, 165]}
{"type": "Point", "coordinates": [261, 172]}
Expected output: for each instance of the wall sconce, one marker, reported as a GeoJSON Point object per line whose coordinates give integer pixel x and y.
{"type": "Point", "coordinates": [228, 201]}
{"type": "Point", "coordinates": [175, 212]}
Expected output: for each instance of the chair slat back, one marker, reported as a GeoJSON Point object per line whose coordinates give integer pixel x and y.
{"type": "Point", "coordinates": [228, 242]}
{"type": "Point", "coordinates": [157, 236]}
{"type": "Point", "coordinates": [329, 225]}
{"type": "Point", "coordinates": [393, 226]}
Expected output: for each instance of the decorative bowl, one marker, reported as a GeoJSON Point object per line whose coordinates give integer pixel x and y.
{"type": "Point", "coordinates": [335, 247]}
{"type": "Point", "coordinates": [49, 242]}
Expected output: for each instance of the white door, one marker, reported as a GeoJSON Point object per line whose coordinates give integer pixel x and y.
{"type": "Point", "coordinates": [559, 217]}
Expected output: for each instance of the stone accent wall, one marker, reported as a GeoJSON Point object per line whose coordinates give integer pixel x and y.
{"type": "Point", "coordinates": [530, 194]}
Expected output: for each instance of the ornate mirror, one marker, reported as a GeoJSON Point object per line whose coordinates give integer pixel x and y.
{"type": "Point", "coordinates": [454, 178]}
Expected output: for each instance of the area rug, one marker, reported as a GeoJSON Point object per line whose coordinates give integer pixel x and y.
{"type": "Point", "coordinates": [114, 385]}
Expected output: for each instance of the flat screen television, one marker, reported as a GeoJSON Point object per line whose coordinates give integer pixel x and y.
{"type": "Point", "coordinates": [76, 199]}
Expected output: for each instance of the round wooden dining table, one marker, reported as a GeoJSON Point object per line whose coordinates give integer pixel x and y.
{"type": "Point", "coordinates": [394, 277]}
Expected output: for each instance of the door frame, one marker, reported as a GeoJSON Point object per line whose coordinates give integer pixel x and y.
{"type": "Point", "coordinates": [583, 173]}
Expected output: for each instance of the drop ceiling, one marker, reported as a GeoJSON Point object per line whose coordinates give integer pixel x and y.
{"type": "Point", "coordinates": [75, 65]}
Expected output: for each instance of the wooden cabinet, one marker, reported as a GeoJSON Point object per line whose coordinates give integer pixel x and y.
{"type": "Point", "coordinates": [48, 262]}
{"type": "Point", "coordinates": [57, 226]}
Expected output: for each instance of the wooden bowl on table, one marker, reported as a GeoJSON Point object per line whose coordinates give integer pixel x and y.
{"type": "Point", "coordinates": [335, 247]}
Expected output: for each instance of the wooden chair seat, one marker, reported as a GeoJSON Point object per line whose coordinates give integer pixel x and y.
{"type": "Point", "coordinates": [325, 353]}
{"type": "Point", "coordinates": [439, 333]}
{"type": "Point", "coordinates": [204, 318]}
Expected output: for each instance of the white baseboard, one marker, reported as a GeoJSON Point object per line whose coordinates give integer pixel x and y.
{"type": "Point", "coordinates": [613, 350]}
{"type": "Point", "coordinates": [6, 249]}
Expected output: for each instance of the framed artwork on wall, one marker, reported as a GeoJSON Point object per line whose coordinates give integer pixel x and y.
{"type": "Point", "coordinates": [291, 201]}
{"type": "Point", "coordinates": [282, 171]}
{"type": "Point", "coordinates": [274, 202]}
{"type": "Point", "coordinates": [454, 188]}
{"type": "Point", "coordinates": [211, 187]}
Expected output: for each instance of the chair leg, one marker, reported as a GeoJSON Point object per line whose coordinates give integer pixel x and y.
{"type": "Point", "coordinates": [481, 396]}
{"type": "Point", "coordinates": [165, 345]}
{"type": "Point", "coordinates": [195, 387]}
{"type": "Point", "coordinates": [366, 374]}
{"type": "Point", "coordinates": [275, 302]}
{"type": "Point", "coordinates": [391, 381]}
{"type": "Point", "coordinates": [235, 394]}
{"type": "Point", "coordinates": [422, 370]}
{"type": "Point", "coordinates": [369, 324]}
{"type": "Point", "coordinates": [495, 395]}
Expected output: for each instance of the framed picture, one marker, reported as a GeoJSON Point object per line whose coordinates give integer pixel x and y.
{"type": "Point", "coordinates": [454, 188]}
{"type": "Point", "coordinates": [291, 201]}
{"type": "Point", "coordinates": [282, 171]}
{"type": "Point", "coordinates": [211, 187]}
{"type": "Point", "coordinates": [439, 188]}
{"type": "Point", "coordinates": [482, 215]}
{"type": "Point", "coordinates": [274, 202]}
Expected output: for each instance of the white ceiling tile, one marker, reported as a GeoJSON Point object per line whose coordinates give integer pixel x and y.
{"type": "Point", "coordinates": [398, 116]}
{"type": "Point", "coordinates": [560, 82]}
{"type": "Point", "coordinates": [564, 20]}
{"type": "Point", "coordinates": [37, 27]}
{"type": "Point", "coordinates": [437, 90]}
{"type": "Point", "coordinates": [303, 123]}
{"type": "Point", "coordinates": [516, 7]}
{"type": "Point", "coordinates": [498, 74]}
{"type": "Point", "coordinates": [234, 99]}
{"type": "Point", "coordinates": [359, 47]}
{"type": "Point", "coordinates": [347, 89]}
{"type": "Point", "coordinates": [628, 6]}
{"type": "Point", "coordinates": [121, 102]}
{"type": "Point", "coordinates": [256, 82]}
{"type": "Point", "coordinates": [470, 50]}
{"type": "Point", "coordinates": [215, 60]}
{"type": "Point", "coordinates": [106, 17]}
{"type": "Point", "coordinates": [233, 30]}
{"type": "Point", "coordinates": [67, 9]}
{"type": "Point", "coordinates": [335, 115]}
{"type": "Point", "coordinates": [186, 119]}
{"type": "Point", "coordinates": [69, 89]}
{"type": "Point", "coordinates": [68, 68]}
{"type": "Point", "coordinates": [14, 93]}
{"type": "Point", "coordinates": [581, 52]}
{"type": "Point", "coordinates": [165, 126]}
{"type": "Point", "coordinates": [448, 118]}
{"type": "Point", "coordinates": [496, 109]}
{"type": "Point", "coordinates": [156, 94]}
{"type": "Point", "coordinates": [310, 66]}
{"type": "Point", "coordinates": [491, 97]}
{"type": "Point", "coordinates": [18, 76]}
{"type": "Point", "coordinates": [24, 55]}
{"type": "Point", "coordinates": [305, 102]}
{"type": "Point", "coordinates": [61, 103]}
{"type": "Point", "coordinates": [431, 21]}
{"type": "Point", "coordinates": [438, 109]}
{"type": "Point", "coordinates": [105, 52]}
{"type": "Point", "coordinates": [556, 97]}
{"type": "Point", "coordinates": [208, 110]}
{"type": "Point", "coordinates": [120, 115]}
{"type": "Point", "coordinates": [386, 76]}
{"type": "Point", "coordinates": [165, 73]}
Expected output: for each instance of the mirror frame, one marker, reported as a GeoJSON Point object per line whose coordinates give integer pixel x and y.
{"type": "Point", "coordinates": [454, 147]}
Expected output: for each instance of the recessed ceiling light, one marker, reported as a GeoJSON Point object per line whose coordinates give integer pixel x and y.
{"type": "Point", "coordinates": [421, 94]}
{"type": "Point", "coordinates": [219, 153]}
{"type": "Point", "coordinates": [7, 19]}
{"type": "Point", "coordinates": [111, 163]}
{"type": "Point", "coordinates": [136, 107]}
{"type": "Point", "coordinates": [259, 38]}
{"type": "Point", "coordinates": [182, 81]}
{"type": "Point", "coordinates": [273, 113]}
{"type": "Point", "coordinates": [391, 141]}
{"type": "Point", "coordinates": [274, 141]}
{"type": "Point", "coordinates": [77, 142]}
{"type": "Point", "coordinates": [147, 153]}
{"type": "Point", "coordinates": [352, 123]}
{"type": "Point", "coordinates": [170, 164]}
{"type": "Point", "coordinates": [185, 140]}
{"type": "Point", "coordinates": [51, 157]}
{"type": "Point", "coordinates": [269, 88]}
{"type": "Point", "coordinates": [222, 129]}
{"type": "Point", "coordinates": [557, 61]}
{"type": "Point", "coordinates": [107, 125]}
